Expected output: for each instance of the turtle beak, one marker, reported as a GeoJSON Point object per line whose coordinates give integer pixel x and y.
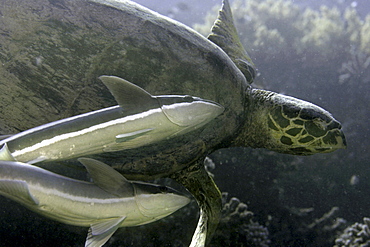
{"type": "Point", "coordinates": [334, 138]}
{"type": "Point", "coordinates": [344, 142]}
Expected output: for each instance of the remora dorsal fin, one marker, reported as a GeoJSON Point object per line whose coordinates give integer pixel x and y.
{"type": "Point", "coordinates": [132, 98]}
{"type": "Point", "coordinates": [19, 190]}
{"type": "Point", "coordinates": [99, 233]}
{"type": "Point", "coordinates": [107, 178]}
{"type": "Point", "coordinates": [225, 35]}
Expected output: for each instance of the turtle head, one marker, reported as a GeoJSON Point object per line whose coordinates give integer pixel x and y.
{"type": "Point", "coordinates": [289, 125]}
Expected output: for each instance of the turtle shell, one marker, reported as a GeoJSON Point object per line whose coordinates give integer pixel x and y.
{"type": "Point", "coordinates": [52, 53]}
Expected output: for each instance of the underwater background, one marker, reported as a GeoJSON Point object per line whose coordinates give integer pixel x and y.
{"type": "Point", "coordinates": [316, 52]}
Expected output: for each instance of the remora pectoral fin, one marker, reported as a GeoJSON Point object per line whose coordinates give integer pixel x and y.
{"type": "Point", "coordinates": [17, 189]}
{"type": "Point", "coordinates": [123, 140]}
{"type": "Point", "coordinates": [37, 160]}
{"type": "Point", "coordinates": [5, 154]}
{"type": "Point", "coordinates": [131, 135]}
{"type": "Point", "coordinates": [131, 98]}
{"type": "Point", "coordinates": [99, 233]}
{"type": "Point", "coordinates": [107, 178]}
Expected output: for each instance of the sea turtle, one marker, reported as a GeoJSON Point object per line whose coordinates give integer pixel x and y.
{"type": "Point", "coordinates": [53, 52]}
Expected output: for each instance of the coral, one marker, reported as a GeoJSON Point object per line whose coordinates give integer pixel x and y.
{"type": "Point", "coordinates": [324, 31]}
{"type": "Point", "coordinates": [298, 227]}
{"type": "Point", "coordinates": [326, 227]}
{"type": "Point", "coordinates": [237, 227]}
{"type": "Point", "coordinates": [327, 222]}
{"type": "Point", "coordinates": [365, 35]}
{"type": "Point", "coordinates": [234, 211]}
{"type": "Point", "coordinates": [357, 235]}
{"type": "Point", "coordinates": [357, 69]}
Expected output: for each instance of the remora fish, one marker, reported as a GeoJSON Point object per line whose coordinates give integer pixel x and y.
{"type": "Point", "coordinates": [139, 119]}
{"type": "Point", "coordinates": [108, 203]}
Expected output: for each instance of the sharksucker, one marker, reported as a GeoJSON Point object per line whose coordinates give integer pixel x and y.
{"type": "Point", "coordinates": [139, 119]}
{"type": "Point", "coordinates": [104, 205]}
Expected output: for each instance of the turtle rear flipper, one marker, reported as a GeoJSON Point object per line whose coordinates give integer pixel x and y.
{"type": "Point", "coordinates": [200, 184]}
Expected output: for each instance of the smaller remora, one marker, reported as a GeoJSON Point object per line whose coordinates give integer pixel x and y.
{"type": "Point", "coordinates": [106, 204]}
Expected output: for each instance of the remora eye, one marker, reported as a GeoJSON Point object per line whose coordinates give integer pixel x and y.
{"type": "Point", "coordinates": [163, 189]}
{"type": "Point", "coordinates": [188, 98]}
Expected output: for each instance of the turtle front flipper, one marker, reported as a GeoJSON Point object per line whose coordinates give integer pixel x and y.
{"type": "Point", "coordinates": [225, 35]}
{"type": "Point", "coordinates": [200, 184]}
